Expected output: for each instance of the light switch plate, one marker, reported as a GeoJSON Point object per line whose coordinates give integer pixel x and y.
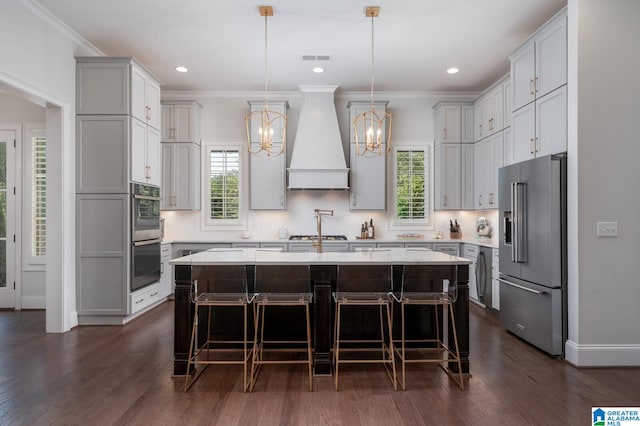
{"type": "Point", "coordinates": [607, 229]}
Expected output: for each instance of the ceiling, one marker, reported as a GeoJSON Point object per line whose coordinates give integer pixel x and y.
{"type": "Point", "coordinates": [221, 42]}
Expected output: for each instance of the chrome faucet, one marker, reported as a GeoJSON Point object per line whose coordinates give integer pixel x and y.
{"type": "Point", "coordinates": [319, 213]}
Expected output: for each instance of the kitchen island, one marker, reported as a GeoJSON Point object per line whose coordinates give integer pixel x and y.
{"type": "Point", "coordinates": [323, 269]}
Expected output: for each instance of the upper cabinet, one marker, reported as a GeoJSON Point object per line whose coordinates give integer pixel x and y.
{"type": "Point", "coordinates": [453, 122]}
{"type": "Point", "coordinates": [367, 174]}
{"type": "Point", "coordinates": [145, 97]}
{"type": "Point", "coordinates": [540, 65]}
{"type": "Point", "coordinates": [267, 174]}
{"type": "Point", "coordinates": [180, 135]}
{"type": "Point", "coordinates": [489, 110]}
{"type": "Point", "coordinates": [118, 123]}
{"type": "Point", "coordinates": [181, 121]}
{"type": "Point", "coordinates": [453, 130]}
{"type": "Point", "coordinates": [539, 77]}
{"type": "Point", "coordinates": [117, 86]}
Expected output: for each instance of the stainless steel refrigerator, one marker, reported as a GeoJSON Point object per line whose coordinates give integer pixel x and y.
{"type": "Point", "coordinates": [533, 266]}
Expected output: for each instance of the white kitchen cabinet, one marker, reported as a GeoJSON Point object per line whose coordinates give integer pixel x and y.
{"type": "Point", "coordinates": [112, 92]}
{"type": "Point", "coordinates": [361, 246]}
{"type": "Point", "coordinates": [145, 96]}
{"type": "Point", "coordinates": [540, 128]}
{"type": "Point", "coordinates": [166, 275]}
{"type": "Point", "coordinates": [117, 86]}
{"type": "Point", "coordinates": [146, 164]}
{"type": "Point", "coordinates": [267, 174]}
{"type": "Point", "coordinates": [102, 154]}
{"type": "Point", "coordinates": [470, 251]}
{"type": "Point", "coordinates": [467, 123]}
{"type": "Point", "coordinates": [540, 65]}
{"type": "Point", "coordinates": [453, 122]}
{"type": "Point", "coordinates": [495, 273]}
{"type": "Point", "coordinates": [447, 176]}
{"type": "Point", "coordinates": [488, 158]}
{"type": "Point", "coordinates": [102, 254]}
{"type": "Point", "coordinates": [489, 111]}
{"type": "Point", "coordinates": [448, 123]}
{"type": "Point", "coordinates": [181, 121]}
{"type": "Point", "coordinates": [508, 100]}
{"type": "Point", "coordinates": [144, 298]}
{"type": "Point", "coordinates": [368, 175]}
{"type": "Point", "coordinates": [467, 176]}
{"type": "Point", "coordinates": [368, 181]}
{"type": "Point", "coordinates": [180, 189]}
{"type": "Point", "coordinates": [478, 117]}
{"type": "Point", "coordinates": [449, 248]}
{"type": "Point", "coordinates": [508, 154]}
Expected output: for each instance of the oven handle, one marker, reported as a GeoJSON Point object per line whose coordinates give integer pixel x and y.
{"type": "Point", "coordinates": [147, 242]}
{"type": "Point", "coordinates": [145, 197]}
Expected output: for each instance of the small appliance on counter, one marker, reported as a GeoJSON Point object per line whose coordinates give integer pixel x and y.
{"type": "Point", "coordinates": [483, 229]}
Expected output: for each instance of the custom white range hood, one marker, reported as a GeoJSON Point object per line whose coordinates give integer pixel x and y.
{"type": "Point", "coordinates": [317, 160]}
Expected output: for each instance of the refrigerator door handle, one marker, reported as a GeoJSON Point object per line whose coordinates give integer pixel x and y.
{"type": "Point", "coordinates": [520, 242]}
{"type": "Point", "coordinates": [514, 218]}
{"type": "Point", "coordinates": [502, 280]}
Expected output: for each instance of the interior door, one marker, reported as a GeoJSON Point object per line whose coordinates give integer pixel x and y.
{"type": "Point", "coordinates": [7, 219]}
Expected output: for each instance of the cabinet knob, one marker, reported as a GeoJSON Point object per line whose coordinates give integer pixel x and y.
{"type": "Point", "coordinates": [531, 87]}
{"type": "Point", "coordinates": [444, 200]}
{"type": "Point", "coordinates": [480, 199]}
{"type": "Point", "coordinates": [354, 201]}
{"type": "Point", "coordinates": [531, 146]}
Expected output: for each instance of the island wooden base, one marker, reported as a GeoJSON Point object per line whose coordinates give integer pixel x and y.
{"type": "Point", "coordinates": [323, 283]}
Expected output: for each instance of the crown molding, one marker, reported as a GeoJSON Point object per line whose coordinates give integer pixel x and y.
{"type": "Point", "coordinates": [64, 29]}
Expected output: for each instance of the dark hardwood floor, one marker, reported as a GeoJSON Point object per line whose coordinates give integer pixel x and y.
{"type": "Point", "coordinates": [122, 375]}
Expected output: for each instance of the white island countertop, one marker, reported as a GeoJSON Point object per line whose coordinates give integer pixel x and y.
{"type": "Point", "coordinates": [400, 256]}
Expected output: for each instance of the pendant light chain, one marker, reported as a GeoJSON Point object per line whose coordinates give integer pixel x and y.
{"type": "Point", "coordinates": [266, 75]}
{"type": "Point", "coordinates": [372, 63]}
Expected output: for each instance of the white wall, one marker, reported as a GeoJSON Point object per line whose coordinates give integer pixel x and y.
{"type": "Point", "coordinates": [37, 57]}
{"type": "Point", "coordinates": [606, 64]}
{"type": "Point", "coordinates": [223, 120]}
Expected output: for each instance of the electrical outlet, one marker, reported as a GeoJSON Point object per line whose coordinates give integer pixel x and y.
{"type": "Point", "coordinates": [607, 229]}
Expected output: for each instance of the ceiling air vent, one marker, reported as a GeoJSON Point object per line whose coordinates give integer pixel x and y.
{"type": "Point", "coordinates": [316, 57]}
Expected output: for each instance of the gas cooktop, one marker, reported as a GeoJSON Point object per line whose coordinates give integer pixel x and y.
{"type": "Point", "coordinates": [315, 237]}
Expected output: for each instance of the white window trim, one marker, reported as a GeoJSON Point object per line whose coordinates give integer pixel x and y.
{"type": "Point", "coordinates": [396, 224]}
{"type": "Point", "coordinates": [240, 224]}
{"type": "Point", "coordinates": [30, 262]}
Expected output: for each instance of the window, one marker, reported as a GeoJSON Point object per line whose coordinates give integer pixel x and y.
{"type": "Point", "coordinates": [412, 186]}
{"type": "Point", "coordinates": [34, 202]}
{"type": "Point", "coordinates": [224, 187]}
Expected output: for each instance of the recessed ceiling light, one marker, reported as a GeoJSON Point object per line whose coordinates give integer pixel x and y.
{"type": "Point", "coordinates": [318, 70]}
{"type": "Point", "coordinates": [181, 69]}
{"type": "Point", "coordinates": [452, 70]}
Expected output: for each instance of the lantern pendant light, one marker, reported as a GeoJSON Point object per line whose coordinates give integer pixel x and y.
{"type": "Point", "coordinates": [265, 118]}
{"type": "Point", "coordinates": [371, 123]}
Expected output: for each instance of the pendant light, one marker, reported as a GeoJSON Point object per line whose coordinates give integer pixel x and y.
{"type": "Point", "coordinates": [266, 119]}
{"type": "Point", "coordinates": [371, 123]}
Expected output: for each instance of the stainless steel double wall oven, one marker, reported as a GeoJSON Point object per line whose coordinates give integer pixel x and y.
{"type": "Point", "coordinates": [146, 235]}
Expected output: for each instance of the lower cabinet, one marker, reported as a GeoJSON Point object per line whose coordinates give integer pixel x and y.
{"type": "Point", "coordinates": [145, 297]}
{"type": "Point", "coordinates": [166, 272]}
{"type": "Point", "coordinates": [495, 272]}
{"type": "Point", "coordinates": [449, 248]}
{"type": "Point", "coordinates": [470, 251]}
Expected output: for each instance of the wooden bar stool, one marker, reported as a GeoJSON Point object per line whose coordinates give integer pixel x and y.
{"type": "Point", "coordinates": [221, 287]}
{"type": "Point", "coordinates": [287, 286]}
{"type": "Point", "coordinates": [422, 287]}
{"type": "Point", "coordinates": [360, 286]}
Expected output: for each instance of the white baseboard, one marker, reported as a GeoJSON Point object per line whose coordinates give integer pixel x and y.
{"type": "Point", "coordinates": [602, 355]}
{"type": "Point", "coordinates": [73, 319]}
{"type": "Point", "coordinates": [34, 302]}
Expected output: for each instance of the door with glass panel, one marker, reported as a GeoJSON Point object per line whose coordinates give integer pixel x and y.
{"type": "Point", "coordinates": [7, 218]}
